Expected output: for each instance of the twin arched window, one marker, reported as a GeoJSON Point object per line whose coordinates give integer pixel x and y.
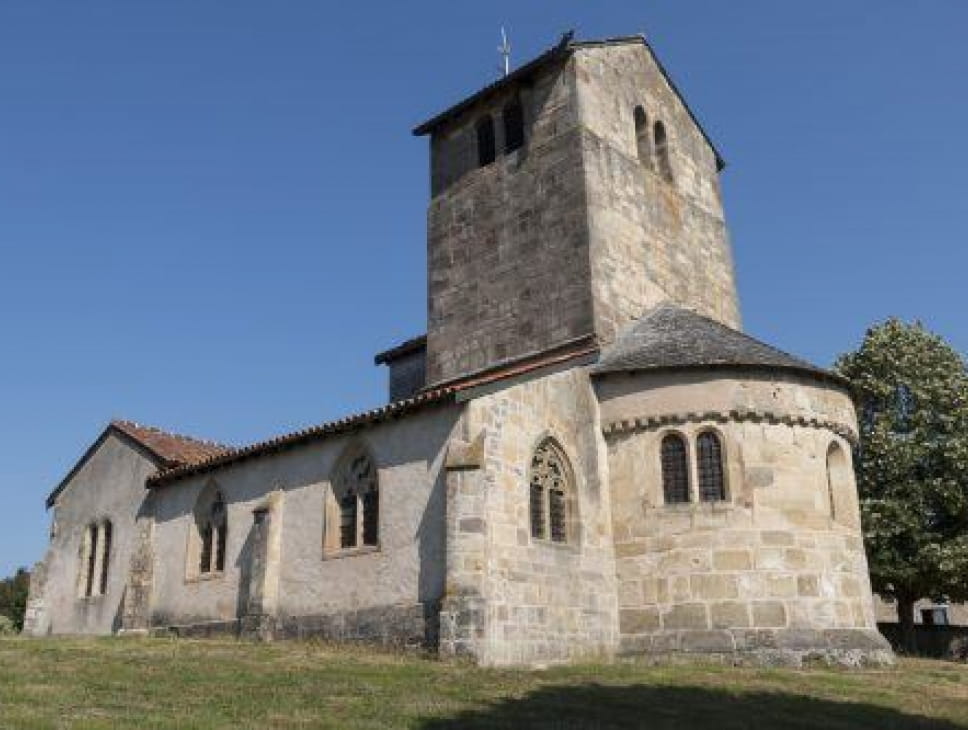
{"type": "Point", "coordinates": [512, 117]}
{"type": "Point", "coordinates": [649, 142]}
{"type": "Point", "coordinates": [353, 508]}
{"type": "Point", "coordinates": [709, 468]}
{"type": "Point", "coordinates": [551, 486]}
{"type": "Point", "coordinates": [213, 529]}
{"type": "Point", "coordinates": [95, 559]}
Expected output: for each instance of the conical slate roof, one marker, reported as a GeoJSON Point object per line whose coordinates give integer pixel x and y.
{"type": "Point", "coordinates": [670, 336]}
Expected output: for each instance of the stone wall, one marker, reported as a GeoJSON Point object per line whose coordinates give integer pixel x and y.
{"type": "Point", "coordinates": [507, 243]}
{"type": "Point", "coordinates": [368, 593]}
{"type": "Point", "coordinates": [513, 599]}
{"type": "Point", "coordinates": [650, 240]}
{"type": "Point", "coordinates": [109, 486]}
{"type": "Point", "coordinates": [771, 572]}
{"type": "Point", "coordinates": [408, 374]}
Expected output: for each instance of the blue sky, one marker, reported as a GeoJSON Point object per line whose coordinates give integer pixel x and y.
{"type": "Point", "coordinates": [212, 214]}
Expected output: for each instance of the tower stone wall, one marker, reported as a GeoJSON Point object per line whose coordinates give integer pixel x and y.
{"type": "Point", "coordinates": [651, 239]}
{"type": "Point", "coordinates": [507, 242]}
{"type": "Point", "coordinates": [572, 234]}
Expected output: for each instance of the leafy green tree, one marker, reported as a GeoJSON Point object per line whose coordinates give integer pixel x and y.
{"type": "Point", "coordinates": [912, 464]}
{"type": "Point", "coordinates": [13, 597]}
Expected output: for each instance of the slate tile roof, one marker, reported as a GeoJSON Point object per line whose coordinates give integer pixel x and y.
{"type": "Point", "coordinates": [671, 336]}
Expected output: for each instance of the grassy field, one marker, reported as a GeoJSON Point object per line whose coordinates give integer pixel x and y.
{"type": "Point", "coordinates": [117, 683]}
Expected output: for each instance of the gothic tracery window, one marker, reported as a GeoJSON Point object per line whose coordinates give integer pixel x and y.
{"type": "Point", "coordinates": [353, 512]}
{"type": "Point", "coordinates": [551, 491]}
{"type": "Point", "coordinates": [675, 469]}
{"type": "Point", "coordinates": [712, 481]}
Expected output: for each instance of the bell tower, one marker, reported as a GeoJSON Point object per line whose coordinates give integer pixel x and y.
{"type": "Point", "coordinates": [567, 199]}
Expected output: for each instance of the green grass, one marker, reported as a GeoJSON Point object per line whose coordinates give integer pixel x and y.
{"type": "Point", "coordinates": [159, 683]}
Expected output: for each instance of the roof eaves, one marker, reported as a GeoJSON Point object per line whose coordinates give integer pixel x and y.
{"type": "Point", "coordinates": [111, 429]}
{"type": "Point", "coordinates": [412, 345]}
{"type": "Point", "coordinates": [303, 436]}
{"type": "Point", "coordinates": [564, 49]}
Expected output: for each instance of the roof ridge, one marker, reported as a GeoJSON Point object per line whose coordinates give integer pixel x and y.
{"type": "Point", "coordinates": [125, 424]}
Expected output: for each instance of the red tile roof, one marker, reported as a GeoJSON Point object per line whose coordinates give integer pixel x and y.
{"type": "Point", "coordinates": [167, 450]}
{"type": "Point", "coordinates": [449, 393]}
{"type": "Point", "coordinates": [171, 448]}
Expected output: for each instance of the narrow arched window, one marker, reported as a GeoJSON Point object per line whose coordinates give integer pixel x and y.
{"type": "Point", "coordinates": [839, 484]}
{"type": "Point", "coordinates": [551, 493]}
{"type": "Point", "coordinates": [513, 116]}
{"type": "Point", "coordinates": [712, 481]}
{"type": "Point", "coordinates": [89, 560]}
{"type": "Point", "coordinates": [662, 151]}
{"type": "Point", "coordinates": [675, 469]}
{"type": "Point", "coordinates": [643, 137]}
{"type": "Point", "coordinates": [352, 517]}
{"type": "Point", "coordinates": [106, 538]}
{"type": "Point", "coordinates": [486, 149]}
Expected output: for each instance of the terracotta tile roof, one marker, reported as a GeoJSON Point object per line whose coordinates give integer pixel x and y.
{"type": "Point", "coordinates": [171, 448]}
{"type": "Point", "coordinates": [313, 433]}
{"type": "Point", "coordinates": [167, 450]}
{"type": "Point", "coordinates": [441, 394]}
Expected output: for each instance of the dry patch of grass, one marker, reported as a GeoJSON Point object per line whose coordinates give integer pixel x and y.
{"type": "Point", "coordinates": [118, 683]}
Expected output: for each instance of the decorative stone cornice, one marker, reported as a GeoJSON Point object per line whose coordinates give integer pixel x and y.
{"type": "Point", "coordinates": [652, 423]}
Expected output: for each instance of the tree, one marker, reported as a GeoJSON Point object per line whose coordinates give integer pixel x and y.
{"type": "Point", "coordinates": [912, 464]}
{"type": "Point", "coordinates": [13, 597]}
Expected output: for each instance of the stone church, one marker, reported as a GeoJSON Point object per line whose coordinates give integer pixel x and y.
{"type": "Point", "coordinates": [584, 457]}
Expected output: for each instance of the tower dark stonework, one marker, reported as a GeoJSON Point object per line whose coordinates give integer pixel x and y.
{"type": "Point", "coordinates": [601, 203]}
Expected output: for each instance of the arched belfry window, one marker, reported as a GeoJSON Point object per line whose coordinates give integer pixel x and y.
{"type": "Point", "coordinates": [643, 137]}
{"type": "Point", "coordinates": [353, 507]}
{"type": "Point", "coordinates": [675, 469]}
{"type": "Point", "coordinates": [486, 148]}
{"type": "Point", "coordinates": [662, 151]}
{"type": "Point", "coordinates": [513, 116]}
{"type": "Point", "coordinates": [551, 492]}
{"type": "Point", "coordinates": [712, 478]}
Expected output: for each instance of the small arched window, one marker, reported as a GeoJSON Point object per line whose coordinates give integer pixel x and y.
{"type": "Point", "coordinates": [513, 116]}
{"type": "Point", "coordinates": [95, 559]}
{"type": "Point", "coordinates": [675, 469]}
{"type": "Point", "coordinates": [486, 149]}
{"type": "Point", "coordinates": [662, 151]}
{"type": "Point", "coordinates": [712, 481]}
{"type": "Point", "coordinates": [551, 493]}
{"type": "Point", "coordinates": [214, 531]}
{"type": "Point", "coordinates": [353, 508]}
{"type": "Point", "coordinates": [643, 137]}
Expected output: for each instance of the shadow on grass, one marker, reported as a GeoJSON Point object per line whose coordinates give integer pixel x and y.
{"type": "Point", "coordinates": [642, 706]}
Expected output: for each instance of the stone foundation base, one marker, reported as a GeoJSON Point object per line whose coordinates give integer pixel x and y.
{"type": "Point", "coordinates": [408, 626]}
{"type": "Point", "coordinates": [766, 647]}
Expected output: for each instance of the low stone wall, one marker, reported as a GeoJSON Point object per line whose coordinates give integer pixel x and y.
{"type": "Point", "coordinates": [940, 642]}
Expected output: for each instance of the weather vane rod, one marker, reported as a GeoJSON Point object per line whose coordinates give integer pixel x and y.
{"type": "Point", "coordinates": [505, 50]}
